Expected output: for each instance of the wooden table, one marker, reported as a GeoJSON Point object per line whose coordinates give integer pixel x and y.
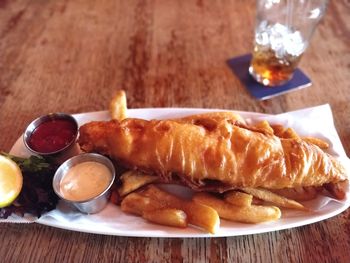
{"type": "Point", "coordinates": [71, 56]}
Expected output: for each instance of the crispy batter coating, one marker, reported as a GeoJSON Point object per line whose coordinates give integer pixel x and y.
{"type": "Point", "coordinates": [209, 151]}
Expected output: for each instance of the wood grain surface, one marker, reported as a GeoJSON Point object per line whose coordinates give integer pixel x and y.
{"type": "Point", "coordinates": [71, 56]}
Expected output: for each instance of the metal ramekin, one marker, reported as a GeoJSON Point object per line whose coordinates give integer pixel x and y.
{"type": "Point", "coordinates": [51, 116]}
{"type": "Point", "coordinates": [92, 205]}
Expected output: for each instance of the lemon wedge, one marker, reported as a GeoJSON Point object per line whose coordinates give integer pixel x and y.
{"type": "Point", "coordinates": [11, 181]}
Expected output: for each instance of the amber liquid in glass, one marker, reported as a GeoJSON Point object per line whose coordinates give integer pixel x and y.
{"type": "Point", "coordinates": [271, 70]}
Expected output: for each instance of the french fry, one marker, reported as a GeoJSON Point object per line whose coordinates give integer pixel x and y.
{"type": "Point", "coordinates": [290, 133]}
{"type": "Point", "coordinates": [298, 193]}
{"type": "Point", "coordinates": [132, 180]}
{"type": "Point", "coordinates": [137, 204]}
{"type": "Point", "coordinates": [316, 141]}
{"type": "Point", "coordinates": [282, 132]}
{"type": "Point", "coordinates": [167, 216]}
{"type": "Point", "coordinates": [276, 199]}
{"type": "Point", "coordinates": [238, 198]}
{"type": "Point", "coordinates": [153, 210]}
{"type": "Point", "coordinates": [265, 127]}
{"type": "Point", "coordinates": [245, 214]}
{"type": "Point", "coordinates": [199, 215]}
{"type": "Point", "coordinates": [117, 106]}
{"type": "Point", "coordinates": [337, 189]}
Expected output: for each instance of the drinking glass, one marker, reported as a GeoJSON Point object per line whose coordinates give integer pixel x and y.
{"type": "Point", "coordinates": [282, 34]}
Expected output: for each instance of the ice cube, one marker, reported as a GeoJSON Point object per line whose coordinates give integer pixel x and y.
{"type": "Point", "coordinates": [262, 38]}
{"type": "Point", "coordinates": [294, 43]}
{"type": "Point", "coordinates": [280, 29]}
{"type": "Point", "coordinates": [280, 39]}
{"type": "Point", "coordinates": [276, 39]}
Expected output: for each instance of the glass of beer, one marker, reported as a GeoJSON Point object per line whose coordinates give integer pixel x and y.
{"type": "Point", "coordinates": [282, 33]}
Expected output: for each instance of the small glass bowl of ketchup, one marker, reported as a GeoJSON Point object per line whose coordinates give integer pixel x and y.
{"type": "Point", "coordinates": [51, 134]}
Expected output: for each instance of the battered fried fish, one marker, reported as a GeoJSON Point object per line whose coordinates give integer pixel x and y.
{"type": "Point", "coordinates": [213, 152]}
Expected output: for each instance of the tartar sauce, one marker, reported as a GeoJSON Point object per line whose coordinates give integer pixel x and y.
{"type": "Point", "coordinates": [85, 180]}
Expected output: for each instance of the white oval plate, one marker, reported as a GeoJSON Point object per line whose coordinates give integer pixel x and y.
{"type": "Point", "coordinates": [317, 121]}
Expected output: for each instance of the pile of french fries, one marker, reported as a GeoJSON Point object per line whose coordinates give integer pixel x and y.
{"type": "Point", "coordinates": [139, 194]}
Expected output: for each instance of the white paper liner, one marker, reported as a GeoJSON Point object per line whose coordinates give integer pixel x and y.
{"type": "Point", "coordinates": [315, 121]}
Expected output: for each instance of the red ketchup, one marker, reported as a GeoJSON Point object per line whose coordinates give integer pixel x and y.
{"type": "Point", "coordinates": [52, 135]}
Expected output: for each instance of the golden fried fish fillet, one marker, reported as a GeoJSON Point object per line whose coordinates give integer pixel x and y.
{"type": "Point", "coordinates": [213, 152]}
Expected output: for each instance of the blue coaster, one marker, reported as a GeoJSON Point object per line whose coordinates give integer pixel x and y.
{"type": "Point", "coordinates": [240, 65]}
